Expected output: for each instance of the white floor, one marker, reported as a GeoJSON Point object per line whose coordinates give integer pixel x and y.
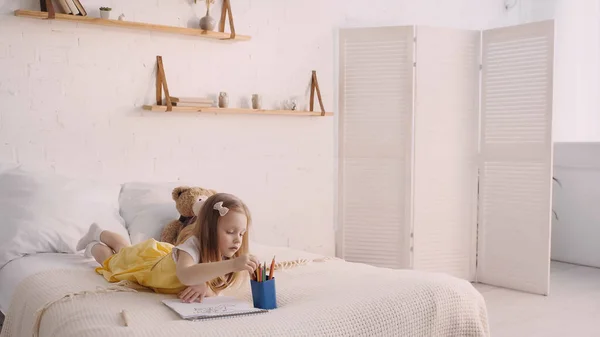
{"type": "Point", "coordinates": [571, 309]}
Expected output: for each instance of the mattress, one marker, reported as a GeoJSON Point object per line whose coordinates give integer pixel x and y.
{"type": "Point", "coordinates": [18, 270]}
{"type": "Point", "coordinates": [317, 297]}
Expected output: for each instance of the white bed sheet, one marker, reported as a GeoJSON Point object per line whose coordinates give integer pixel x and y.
{"type": "Point", "coordinates": [19, 269]}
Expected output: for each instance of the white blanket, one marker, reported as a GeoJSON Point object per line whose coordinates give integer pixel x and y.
{"type": "Point", "coordinates": [332, 298]}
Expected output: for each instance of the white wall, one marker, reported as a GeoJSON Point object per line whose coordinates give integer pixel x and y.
{"type": "Point", "coordinates": [576, 125]}
{"type": "Point", "coordinates": [577, 65]}
{"type": "Point", "coordinates": [71, 97]}
{"type": "Point", "coordinates": [575, 233]}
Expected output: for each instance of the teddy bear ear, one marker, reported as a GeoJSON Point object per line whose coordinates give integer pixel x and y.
{"type": "Point", "coordinates": [178, 190]}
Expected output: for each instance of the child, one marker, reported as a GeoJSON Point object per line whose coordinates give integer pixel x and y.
{"type": "Point", "coordinates": [208, 258]}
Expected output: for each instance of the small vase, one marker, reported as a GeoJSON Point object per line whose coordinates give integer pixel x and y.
{"type": "Point", "coordinates": [291, 104]}
{"type": "Point", "coordinates": [207, 22]}
{"type": "Point", "coordinates": [105, 14]}
{"type": "Point", "coordinates": [223, 100]}
{"type": "Point", "coordinates": [294, 104]}
{"type": "Point", "coordinates": [256, 102]}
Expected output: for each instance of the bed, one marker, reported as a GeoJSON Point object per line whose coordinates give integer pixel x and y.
{"type": "Point", "coordinates": [47, 288]}
{"type": "Point", "coordinates": [317, 297]}
{"type": "Point", "coordinates": [18, 270]}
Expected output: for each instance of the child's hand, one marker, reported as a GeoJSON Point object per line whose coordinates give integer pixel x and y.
{"type": "Point", "coordinates": [245, 262]}
{"type": "Point", "coordinates": [194, 293]}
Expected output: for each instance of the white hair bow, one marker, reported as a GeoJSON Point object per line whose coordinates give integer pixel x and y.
{"type": "Point", "coordinates": [219, 207]}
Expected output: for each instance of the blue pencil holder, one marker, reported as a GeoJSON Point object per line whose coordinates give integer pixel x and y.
{"type": "Point", "coordinates": [264, 294]}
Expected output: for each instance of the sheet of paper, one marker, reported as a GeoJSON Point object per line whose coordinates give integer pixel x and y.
{"type": "Point", "coordinates": [210, 306]}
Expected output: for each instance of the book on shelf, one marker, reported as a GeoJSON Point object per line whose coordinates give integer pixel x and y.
{"type": "Point", "coordinates": [193, 105]}
{"type": "Point", "coordinates": [191, 100]}
{"type": "Point", "coordinates": [73, 7]}
{"type": "Point", "coordinates": [80, 7]}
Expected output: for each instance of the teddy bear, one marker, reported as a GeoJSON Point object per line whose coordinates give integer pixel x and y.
{"type": "Point", "coordinates": [185, 197]}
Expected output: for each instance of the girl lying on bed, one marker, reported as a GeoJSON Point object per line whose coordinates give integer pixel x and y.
{"type": "Point", "coordinates": [208, 257]}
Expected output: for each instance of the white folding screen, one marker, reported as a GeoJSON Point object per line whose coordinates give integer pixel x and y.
{"type": "Point", "coordinates": [375, 123]}
{"type": "Point", "coordinates": [466, 190]}
{"type": "Point", "coordinates": [445, 150]}
{"type": "Point", "coordinates": [516, 157]}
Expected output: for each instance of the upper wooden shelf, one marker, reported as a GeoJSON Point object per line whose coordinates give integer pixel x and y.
{"type": "Point", "coordinates": [134, 25]}
{"type": "Point", "coordinates": [163, 108]}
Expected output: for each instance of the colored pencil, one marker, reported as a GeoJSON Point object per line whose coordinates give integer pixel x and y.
{"type": "Point", "coordinates": [272, 268]}
{"type": "Point", "coordinates": [258, 274]}
{"type": "Point", "coordinates": [125, 317]}
{"type": "Point", "coordinates": [264, 270]}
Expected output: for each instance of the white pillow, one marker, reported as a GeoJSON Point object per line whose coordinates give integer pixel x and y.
{"type": "Point", "coordinates": [49, 213]}
{"type": "Point", "coordinates": [147, 208]}
{"type": "Point", "coordinates": [265, 253]}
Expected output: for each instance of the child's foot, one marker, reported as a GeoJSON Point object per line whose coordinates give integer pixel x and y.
{"type": "Point", "coordinates": [88, 248]}
{"type": "Point", "coordinates": [93, 234]}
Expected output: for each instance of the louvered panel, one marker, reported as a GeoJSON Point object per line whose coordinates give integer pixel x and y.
{"type": "Point", "coordinates": [446, 143]}
{"type": "Point", "coordinates": [373, 214]}
{"type": "Point", "coordinates": [507, 85]}
{"type": "Point", "coordinates": [375, 123]}
{"type": "Point", "coordinates": [516, 157]}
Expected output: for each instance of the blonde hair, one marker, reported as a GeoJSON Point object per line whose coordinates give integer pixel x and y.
{"type": "Point", "coordinates": [205, 230]}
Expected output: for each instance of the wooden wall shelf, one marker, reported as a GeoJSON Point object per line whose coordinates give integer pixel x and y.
{"type": "Point", "coordinates": [163, 108]}
{"type": "Point", "coordinates": [161, 85]}
{"type": "Point", "coordinates": [135, 25]}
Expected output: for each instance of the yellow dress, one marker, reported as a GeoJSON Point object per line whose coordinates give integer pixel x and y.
{"type": "Point", "coordinates": [149, 264]}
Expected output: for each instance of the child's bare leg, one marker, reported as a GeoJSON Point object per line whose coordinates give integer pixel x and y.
{"type": "Point", "coordinates": [113, 240]}
{"type": "Point", "coordinates": [101, 252]}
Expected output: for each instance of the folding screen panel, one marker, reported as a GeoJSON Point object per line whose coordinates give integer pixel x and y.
{"type": "Point", "coordinates": [375, 123]}
{"type": "Point", "coordinates": [516, 157]}
{"type": "Point", "coordinates": [445, 150]}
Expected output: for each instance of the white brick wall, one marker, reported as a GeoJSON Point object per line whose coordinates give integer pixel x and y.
{"type": "Point", "coordinates": [71, 97]}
